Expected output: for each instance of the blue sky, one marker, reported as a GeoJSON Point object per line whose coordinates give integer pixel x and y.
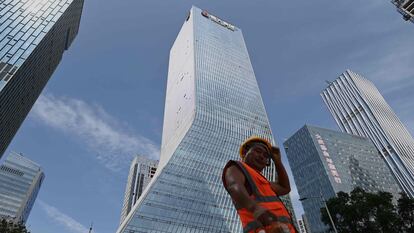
{"type": "Point", "coordinates": [105, 101]}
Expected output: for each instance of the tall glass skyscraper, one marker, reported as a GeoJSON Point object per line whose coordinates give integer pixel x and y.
{"type": "Point", "coordinates": [33, 36]}
{"type": "Point", "coordinates": [406, 8]}
{"type": "Point", "coordinates": [213, 104]}
{"type": "Point", "coordinates": [325, 162]}
{"type": "Point", "coordinates": [141, 171]}
{"type": "Point", "coordinates": [359, 108]}
{"type": "Point", "coordinates": [20, 181]}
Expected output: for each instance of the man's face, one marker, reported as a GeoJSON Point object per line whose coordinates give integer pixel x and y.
{"type": "Point", "coordinates": [257, 156]}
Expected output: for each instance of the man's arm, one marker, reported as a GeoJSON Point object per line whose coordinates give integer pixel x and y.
{"type": "Point", "coordinates": [282, 186]}
{"type": "Point", "coordinates": [235, 181]}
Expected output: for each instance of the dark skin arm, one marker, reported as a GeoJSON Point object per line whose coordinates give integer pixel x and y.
{"type": "Point", "coordinates": [282, 186]}
{"type": "Point", "coordinates": [235, 181]}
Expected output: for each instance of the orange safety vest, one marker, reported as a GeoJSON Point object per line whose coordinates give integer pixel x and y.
{"type": "Point", "coordinates": [264, 196]}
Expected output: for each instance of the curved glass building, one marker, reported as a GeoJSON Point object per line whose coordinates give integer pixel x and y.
{"type": "Point", "coordinates": [213, 104]}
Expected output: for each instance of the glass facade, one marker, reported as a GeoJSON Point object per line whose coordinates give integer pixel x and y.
{"type": "Point", "coordinates": [325, 162]}
{"type": "Point", "coordinates": [213, 104]}
{"type": "Point", "coordinates": [141, 171]}
{"type": "Point", "coordinates": [33, 36]}
{"type": "Point", "coordinates": [359, 108]}
{"type": "Point", "coordinates": [406, 9]}
{"type": "Point", "coordinates": [20, 181]}
{"type": "Point", "coordinates": [301, 224]}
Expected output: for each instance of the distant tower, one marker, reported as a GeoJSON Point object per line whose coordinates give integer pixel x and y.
{"type": "Point", "coordinates": [33, 37]}
{"type": "Point", "coordinates": [20, 181]}
{"type": "Point", "coordinates": [406, 8]}
{"type": "Point", "coordinates": [306, 223]}
{"type": "Point", "coordinates": [302, 228]}
{"type": "Point", "coordinates": [325, 162]}
{"type": "Point", "coordinates": [359, 108]}
{"type": "Point", "coordinates": [141, 172]}
{"type": "Point", "coordinates": [90, 228]}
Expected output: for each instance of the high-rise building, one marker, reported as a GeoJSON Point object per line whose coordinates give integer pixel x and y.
{"type": "Point", "coordinates": [20, 181]}
{"type": "Point", "coordinates": [358, 108]}
{"type": "Point", "coordinates": [213, 104]}
{"type": "Point", "coordinates": [141, 171]}
{"type": "Point", "coordinates": [306, 223]}
{"type": "Point", "coordinates": [302, 227]}
{"type": "Point", "coordinates": [33, 36]}
{"type": "Point", "coordinates": [325, 162]}
{"type": "Point", "coordinates": [406, 8]}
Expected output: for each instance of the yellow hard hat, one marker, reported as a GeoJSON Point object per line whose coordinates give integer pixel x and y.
{"type": "Point", "coordinates": [245, 144]}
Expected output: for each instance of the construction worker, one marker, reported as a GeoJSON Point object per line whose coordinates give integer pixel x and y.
{"type": "Point", "coordinates": [255, 198]}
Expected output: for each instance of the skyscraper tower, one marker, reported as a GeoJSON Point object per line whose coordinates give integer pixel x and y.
{"type": "Point", "coordinates": [325, 162]}
{"type": "Point", "coordinates": [358, 108]}
{"type": "Point", "coordinates": [213, 104]}
{"type": "Point", "coordinates": [141, 171]}
{"type": "Point", "coordinates": [406, 9]}
{"type": "Point", "coordinates": [33, 36]}
{"type": "Point", "coordinates": [20, 182]}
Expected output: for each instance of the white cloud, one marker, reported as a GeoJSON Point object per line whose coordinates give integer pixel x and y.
{"type": "Point", "coordinates": [90, 124]}
{"type": "Point", "coordinates": [56, 215]}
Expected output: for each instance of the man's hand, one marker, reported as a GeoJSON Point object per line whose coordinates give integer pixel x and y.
{"type": "Point", "coordinates": [276, 154]}
{"type": "Point", "coordinates": [269, 221]}
{"type": "Point", "coordinates": [263, 216]}
{"type": "Point", "coordinates": [278, 228]}
{"type": "Point", "coordinates": [282, 186]}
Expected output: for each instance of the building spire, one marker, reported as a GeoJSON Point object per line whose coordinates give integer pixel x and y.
{"type": "Point", "coordinates": [90, 228]}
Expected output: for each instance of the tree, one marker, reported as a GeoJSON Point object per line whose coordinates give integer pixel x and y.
{"type": "Point", "coordinates": [11, 227]}
{"type": "Point", "coordinates": [362, 212]}
{"type": "Point", "coordinates": [406, 213]}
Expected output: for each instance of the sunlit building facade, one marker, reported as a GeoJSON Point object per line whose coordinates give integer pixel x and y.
{"type": "Point", "coordinates": [359, 108]}
{"type": "Point", "coordinates": [20, 182]}
{"type": "Point", "coordinates": [33, 36]}
{"type": "Point", "coordinates": [213, 104]}
{"type": "Point", "coordinates": [325, 162]}
{"type": "Point", "coordinates": [141, 171]}
{"type": "Point", "coordinates": [406, 9]}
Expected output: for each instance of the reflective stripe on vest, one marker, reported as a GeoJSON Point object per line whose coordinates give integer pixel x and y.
{"type": "Point", "coordinates": [259, 198]}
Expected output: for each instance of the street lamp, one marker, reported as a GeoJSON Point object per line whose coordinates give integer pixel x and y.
{"type": "Point", "coordinates": [326, 207]}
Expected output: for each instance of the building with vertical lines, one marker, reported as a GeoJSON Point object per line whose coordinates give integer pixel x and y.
{"type": "Point", "coordinates": [359, 108]}
{"type": "Point", "coordinates": [141, 171]}
{"type": "Point", "coordinates": [33, 36]}
{"type": "Point", "coordinates": [20, 182]}
{"type": "Point", "coordinates": [325, 162]}
{"type": "Point", "coordinates": [212, 105]}
{"type": "Point", "coordinates": [406, 9]}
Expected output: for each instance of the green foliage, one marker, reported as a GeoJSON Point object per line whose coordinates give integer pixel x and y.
{"type": "Point", "coordinates": [362, 212]}
{"type": "Point", "coordinates": [10, 227]}
{"type": "Point", "coordinates": [406, 213]}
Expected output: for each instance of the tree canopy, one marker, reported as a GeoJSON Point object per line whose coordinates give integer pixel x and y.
{"type": "Point", "coordinates": [363, 212]}
{"type": "Point", "coordinates": [11, 227]}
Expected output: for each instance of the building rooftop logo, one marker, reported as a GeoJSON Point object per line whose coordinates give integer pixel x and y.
{"type": "Point", "coordinates": [218, 20]}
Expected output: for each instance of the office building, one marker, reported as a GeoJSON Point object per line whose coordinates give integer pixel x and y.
{"type": "Point", "coordinates": [406, 9]}
{"type": "Point", "coordinates": [359, 108]}
{"type": "Point", "coordinates": [213, 103]}
{"type": "Point", "coordinates": [33, 36]}
{"type": "Point", "coordinates": [20, 181]}
{"type": "Point", "coordinates": [306, 223]}
{"type": "Point", "coordinates": [141, 171]}
{"type": "Point", "coordinates": [302, 227]}
{"type": "Point", "coordinates": [325, 162]}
